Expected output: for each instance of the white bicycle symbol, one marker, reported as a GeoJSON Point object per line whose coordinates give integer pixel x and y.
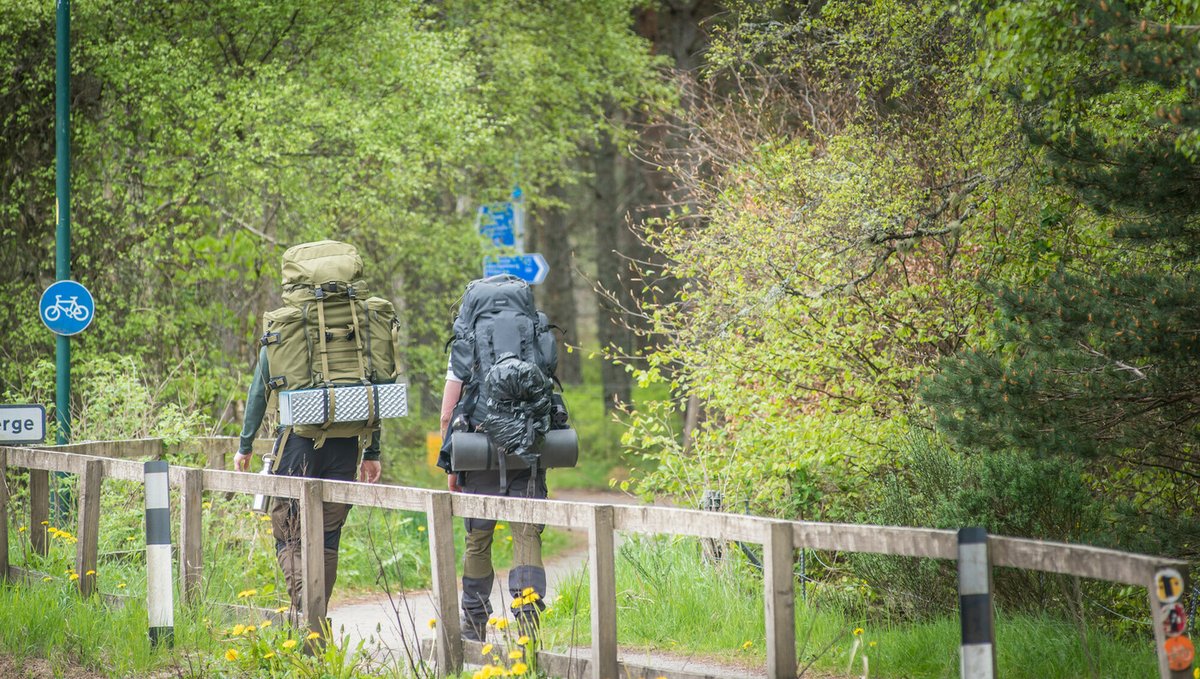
{"type": "Point", "coordinates": [71, 307]}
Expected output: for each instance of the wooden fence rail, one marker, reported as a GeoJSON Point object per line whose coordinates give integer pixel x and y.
{"type": "Point", "coordinates": [779, 538]}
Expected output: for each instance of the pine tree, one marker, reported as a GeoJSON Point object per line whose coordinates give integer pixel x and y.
{"type": "Point", "coordinates": [1102, 360]}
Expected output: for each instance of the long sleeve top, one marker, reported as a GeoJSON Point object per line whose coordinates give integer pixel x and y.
{"type": "Point", "coordinates": [256, 409]}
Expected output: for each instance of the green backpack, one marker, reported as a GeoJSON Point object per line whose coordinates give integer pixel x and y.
{"type": "Point", "coordinates": [329, 333]}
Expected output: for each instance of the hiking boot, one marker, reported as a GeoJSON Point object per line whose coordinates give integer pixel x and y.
{"type": "Point", "coordinates": [472, 631]}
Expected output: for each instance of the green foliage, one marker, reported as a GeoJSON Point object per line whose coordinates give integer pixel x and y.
{"type": "Point", "coordinates": [1098, 359]}
{"type": "Point", "coordinates": [209, 136]}
{"type": "Point", "coordinates": [837, 257]}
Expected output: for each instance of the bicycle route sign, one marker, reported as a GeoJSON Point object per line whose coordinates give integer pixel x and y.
{"type": "Point", "coordinates": [67, 308]}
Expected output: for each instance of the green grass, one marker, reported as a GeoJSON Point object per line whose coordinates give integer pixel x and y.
{"type": "Point", "coordinates": [668, 599]}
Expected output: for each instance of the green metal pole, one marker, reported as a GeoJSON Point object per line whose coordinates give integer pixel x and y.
{"type": "Point", "coordinates": [62, 260]}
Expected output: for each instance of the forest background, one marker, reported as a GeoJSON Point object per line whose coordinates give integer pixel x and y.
{"type": "Point", "coordinates": [914, 263]}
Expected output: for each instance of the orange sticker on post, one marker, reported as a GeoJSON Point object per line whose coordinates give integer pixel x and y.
{"type": "Point", "coordinates": [1180, 653]}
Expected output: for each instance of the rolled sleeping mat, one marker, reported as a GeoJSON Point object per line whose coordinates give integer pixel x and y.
{"type": "Point", "coordinates": [472, 452]}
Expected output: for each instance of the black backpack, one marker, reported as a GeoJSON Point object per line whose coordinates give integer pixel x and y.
{"type": "Point", "coordinates": [505, 352]}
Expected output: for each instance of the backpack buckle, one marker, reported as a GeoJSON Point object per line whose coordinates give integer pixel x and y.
{"type": "Point", "coordinates": [269, 338]}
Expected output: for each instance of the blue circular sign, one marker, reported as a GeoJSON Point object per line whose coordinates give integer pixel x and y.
{"type": "Point", "coordinates": [67, 308]}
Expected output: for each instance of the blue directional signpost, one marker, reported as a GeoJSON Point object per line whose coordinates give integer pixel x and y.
{"type": "Point", "coordinates": [504, 225]}
{"type": "Point", "coordinates": [67, 308]}
{"type": "Point", "coordinates": [497, 223]}
{"type": "Point", "coordinates": [531, 268]}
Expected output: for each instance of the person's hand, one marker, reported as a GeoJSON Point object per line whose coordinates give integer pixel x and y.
{"type": "Point", "coordinates": [241, 461]}
{"type": "Point", "coordinates": [452, 483]}
{"type": "Point", "coordinates": [370, 471]}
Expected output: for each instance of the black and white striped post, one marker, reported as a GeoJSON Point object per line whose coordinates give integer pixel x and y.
{"type": "Point", "coordinates": [159, 593]}
{"type": "Point", "coordinates": [977, 653]}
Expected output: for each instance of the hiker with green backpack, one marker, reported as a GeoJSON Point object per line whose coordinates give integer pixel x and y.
{"type": "Point", "coordinates": [328, 365]}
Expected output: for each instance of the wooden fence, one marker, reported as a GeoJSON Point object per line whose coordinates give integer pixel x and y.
{"type": "Point", "coordinates": [779, 539]}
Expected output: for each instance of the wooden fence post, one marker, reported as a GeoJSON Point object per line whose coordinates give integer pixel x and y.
{"type": "Point", "coordinates": [3, 515]}
{"type": "Point", "coordinates": [779, 595]}
{"type": "Point", "coordinates": [89, 526]}
{"type": "Point", "coordinates": [312, 555]}
{"type": "Point", "coordinates": [602, 566]}
{"type": "Point", "coordinates": [191, 566]}
{"type": "Point", "coordinates": [39, 510]}
{"type": "Point", "coordinates": [977, 655]}
{"type": "Point", "coordinates": [448, 642]}
{"type": "Point", "coordinates": [1165, 593]}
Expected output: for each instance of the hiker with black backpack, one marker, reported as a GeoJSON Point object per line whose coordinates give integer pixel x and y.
{"type": "Point", "coordinates": [324, 352]}
{"type": "Point", "coordinates": [500, 383]}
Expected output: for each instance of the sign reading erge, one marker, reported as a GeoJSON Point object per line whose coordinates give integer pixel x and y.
{"type": "Point", "coordinates": [22, 424]}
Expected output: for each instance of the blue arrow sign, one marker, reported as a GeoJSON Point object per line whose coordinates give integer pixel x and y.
{"type": "Point", "coordinates": [531, 268]}
{"type": "Point", "coordinates": [67, 308]}
{"type": "Point", "coordinates": [497, 222]}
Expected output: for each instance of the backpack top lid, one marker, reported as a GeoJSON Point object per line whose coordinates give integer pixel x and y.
{"type": "Point", "coordinates": [495, 293]}
{"type": "Point", "coordinates": [326, 261]}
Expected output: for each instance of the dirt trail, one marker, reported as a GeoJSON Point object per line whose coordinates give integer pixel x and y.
{"type": "Point", "coordinates": [393, 627]}
{"type": "Point", "coordinates": [395, 624]}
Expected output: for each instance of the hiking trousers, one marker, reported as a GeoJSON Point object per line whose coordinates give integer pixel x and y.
{"type": "Point", "coordinates": [527, 570]}
{"type": "Point", "coordinates": [336, 460]}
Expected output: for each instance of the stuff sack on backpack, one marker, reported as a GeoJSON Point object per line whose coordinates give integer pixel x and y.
{"type": "Point", "coordinates": [330, 332]}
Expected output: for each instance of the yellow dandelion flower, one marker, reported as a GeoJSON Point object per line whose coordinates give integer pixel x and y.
{"type": "Point", "coordinates": [493, 621]}
{"type": "Point", "coordinates": [121, 585]}
{"type": "Point", "coordinates": [516, 603]}
{"type": "Point", "coordinates": [269, 655]}
{"type": "Point", "coordinates": [21, 529]}
{"type": "Point", "coordinates": [90, 573]}
{"type": "Point", "coordinates": [516, 654]}
{"type": "Point", "coordinates": [746, 646]}
{"type": "Point", "coordinates": [74, 577]}
{"type": "Point", "coordinates": [523, 640]}
{"type": "Point", "coordinates": [264, 624]}
{"type": "Point", "coordinates": [501, 623]}
{"type": "Point", "coordinates": [872, 644]}
{"type": "Point", "coordinates": [131, 538]}
{"type": "Point", "coordinates": [420, 529]}
{"type": "Point", "coordinates": [69, 571]}
{"type": "Point", "coordinates": [313, 635]}
{"type": "Point", "coordinates": [237, 630]}
{"type": "Point", "coordinates": [47, 579]}
{"type": "Point", "coordinates": [264, 517]}
{"type": "Point", "coordinates": [45, 523]}
{"type": "Point", "coordinates": [487, 648]}
{"type": "Point", "coordinates": [527, 591]}
{"type": "Point", "coordinates": [534, 597]}
{"type": "Point", "coordinates": [858, 631]}
{"type": "Point", "coordinates": [251, 629]}
{"type": "Point", "coordinates": [432, 623]}
{"type": "Point", "coordinates": [508, 538]}
{"type": "Point", "coordinates": [247, 593]}
{"type": "Point", "coordinates": [500, 526]}
{"type": "Point", "coordinates": [289, 644]}
{"type": "Point", "coordinates": [1196, 673]}
{"type": "Point", "coordinates": [206, 505]}
{"type": "Point", "coordinates": [520, 668]}
{"type": "Point", "coordinates": [231, 654]}
{"type": "Point", "coordinates": [281, 609]}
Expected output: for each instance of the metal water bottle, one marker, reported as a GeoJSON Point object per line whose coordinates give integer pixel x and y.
{"type": "Point", "coordinates": [262, 503]}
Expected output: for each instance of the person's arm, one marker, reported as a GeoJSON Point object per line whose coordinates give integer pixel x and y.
{"type": "Point", "coordinates": [256, 409]}
{"type": "Point", "coordinates": [450, 394]}
{"type": "Point", "coordinates": [371, 468]}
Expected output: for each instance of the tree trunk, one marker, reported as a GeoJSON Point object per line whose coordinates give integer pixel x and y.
{"type": "Point", "coordinates": [549, 234]}
{"type": "Point", "coordinates": [612, 324]}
